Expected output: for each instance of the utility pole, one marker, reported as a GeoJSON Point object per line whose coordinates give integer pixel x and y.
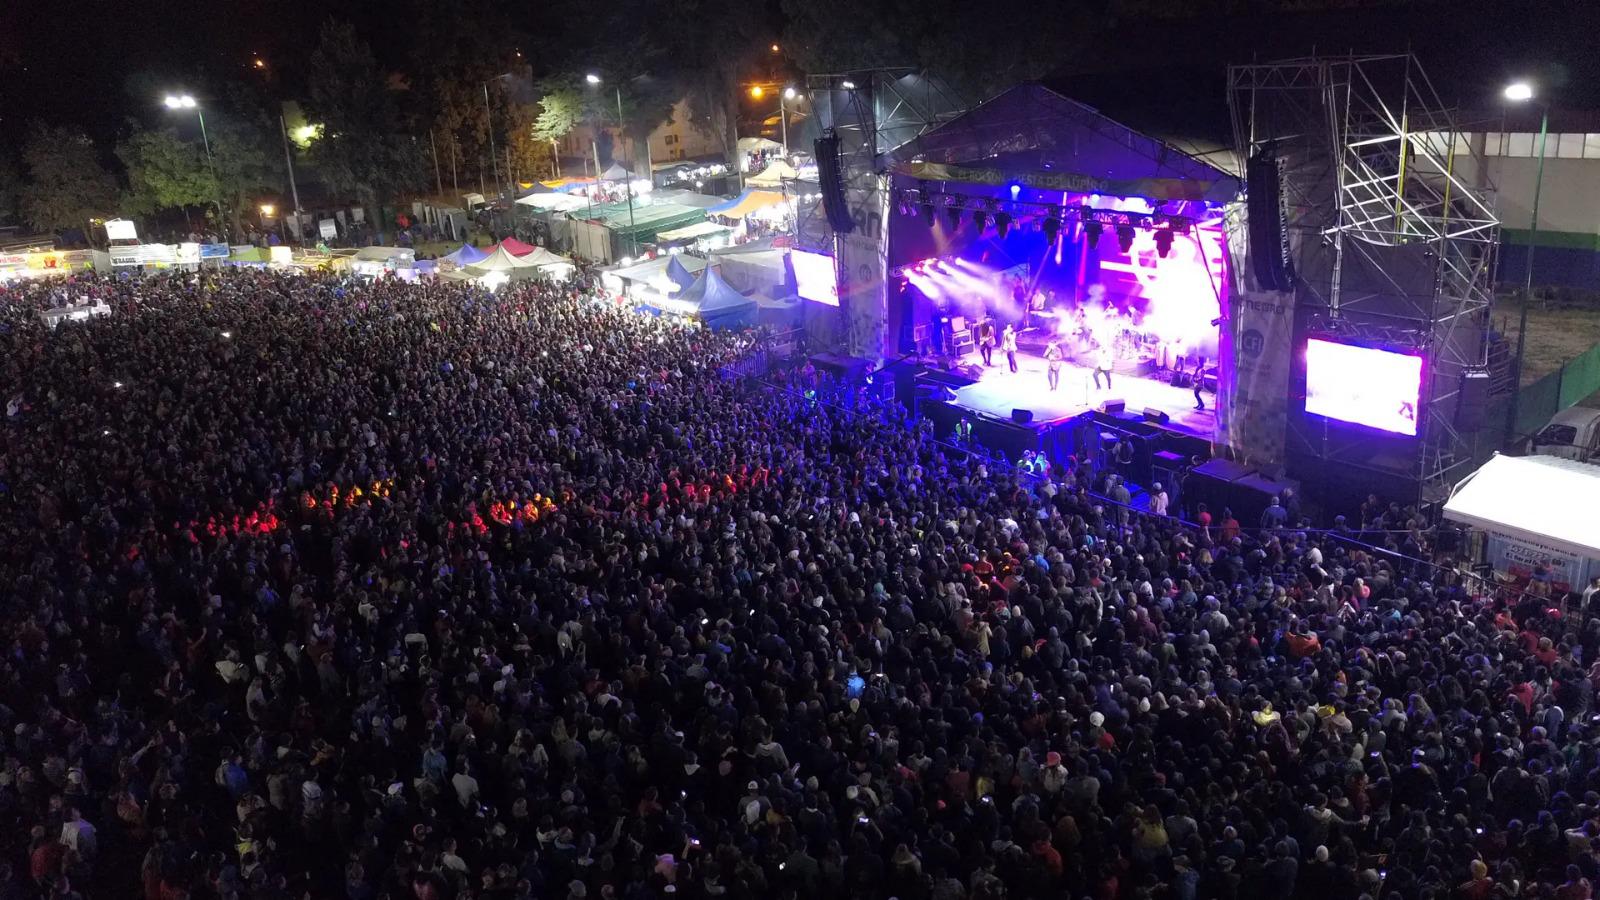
{"type": "Point", "coordinates": [293, 190]}
{"type": "Point", "coordinates": [438, 179]}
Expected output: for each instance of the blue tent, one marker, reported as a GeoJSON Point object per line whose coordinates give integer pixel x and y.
{"type": "Point", "coordinates": [680, 275]}
{"type": "Point", "coordinates": [717, 304]}
{"type": "Point", "coordinates": [466, 256]}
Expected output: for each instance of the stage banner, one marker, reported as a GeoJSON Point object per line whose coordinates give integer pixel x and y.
{"type": "Point", "coordinates": [863, 267]}
{"type": "Point", "coordinates": [1256, 351]}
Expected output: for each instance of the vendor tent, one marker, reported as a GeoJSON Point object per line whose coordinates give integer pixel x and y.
{"type": "Point", "coordinates": [711, 300]}
{"type": "Point", "coordinates": [1542, 500]}
{"type": "Point", "coordinates": [757, 144]}
{"type": "Point", "coordinates": [466, 255]}
{"type": "Point", "coordinates": [753, 267]}
{"type": "Point", "coordinates": [614, 173]}
{"type": "Point", "coordinates": [697, 231]}
{"type": "Point", "coordinates": [516, 247]}
{"type": "Point", "coordinates": [680, 274]}
{"type": "Point", "coordinates": [248, 256]}
{"type": "Point", "coordinates": [613, 230]}
{"type": "Point", "coordinates": [504, 264]}
{"type": "Point", "coordinates": [749, 202]}
{"type": "Point", "coordinates": [553, 200]}
{"type": "Point", "coordinates": [773, 175]}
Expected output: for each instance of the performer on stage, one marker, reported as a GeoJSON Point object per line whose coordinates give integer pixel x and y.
{"type": "Point", "coordinates": [1008, 343]}
{"type": "Point", "coordinates": [1104, 359]}
{"type": "Point", "coordinates": [1199, 379]}
{"type": "Point", "coordinates": [1052, 363]}
{"type": "Point", "coordinates": [986, 339]}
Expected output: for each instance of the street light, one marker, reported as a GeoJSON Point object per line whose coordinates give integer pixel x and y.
{"type": "Point", "coordinates": [627, 181]}
{"type": "Point", "coordinates": [185, 101]}
{"type": "Point", "coordinates": [1521, 92]}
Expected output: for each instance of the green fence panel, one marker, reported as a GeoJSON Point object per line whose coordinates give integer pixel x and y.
{"type": "Point", "coordinates": [1538, 402]}
{"type": "Point", "coordinates": [1580, 378]}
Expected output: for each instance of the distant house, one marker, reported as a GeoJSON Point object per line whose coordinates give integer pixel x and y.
{"type": "Point", "coordinates": [673, 140]}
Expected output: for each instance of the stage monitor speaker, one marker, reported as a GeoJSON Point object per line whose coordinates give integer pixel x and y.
{"type": "Point", "coordinates": [1270, 254]}
{"type": "Point", "coordinates": [1114, 406]}
{"type": "Point", "coordinates": [1022, 416]}
{"type": "Point", "coordinates": [830, 180]}
{"type": "Point", "coordinates": [1472, 409]}
{"type": "Point", "coordinates": [1159, 416]}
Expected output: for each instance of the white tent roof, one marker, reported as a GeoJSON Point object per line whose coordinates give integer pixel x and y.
{"type": "Point", "coordinates": [384, 254]}
{"type": "Point", "coordinates": [502, 261]}
{"type": "Point", "coordinates": [774, 174]}
{"type": "Point", "coordinates": [553, 200]}
{"type": "Point", "coordinates": [1539, 498]}
{"type": "Point", "coordinates": [615, 173]}
{"type": "Point", "coordinates": [752, 144]}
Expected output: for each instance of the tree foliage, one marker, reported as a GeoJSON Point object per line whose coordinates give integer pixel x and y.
{"type": "Point", "coordinates": [363, 149]}
{"type": "Point", "coordinates": [66, 183]}
{"type": "Point", "coordinates": [10, 188]}
{"type": "Point", "coordinates": [560, 110]}
{"type": "Point", "coordinates": [164, 172]}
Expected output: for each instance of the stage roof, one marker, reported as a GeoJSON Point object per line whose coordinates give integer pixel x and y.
{"type": "Point", "coordinates": [1542, 499]}
{"type": "Point", "coordinates": [1034, 136]}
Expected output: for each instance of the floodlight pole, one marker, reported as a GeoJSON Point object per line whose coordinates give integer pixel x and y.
{"type": "Point", "coordinates": [1527, 277]}
{"type": "Point", "coordinates": [295, 191]}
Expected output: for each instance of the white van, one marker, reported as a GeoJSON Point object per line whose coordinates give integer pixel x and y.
{"type": "Point", "coordinates": [1572, 434]}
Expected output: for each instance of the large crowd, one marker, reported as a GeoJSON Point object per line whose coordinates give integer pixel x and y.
{"type": "Point", "coordinates": [317, 588]}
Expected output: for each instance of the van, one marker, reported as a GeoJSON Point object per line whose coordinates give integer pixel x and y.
{"type": "Point", "coordinates": [1571, 434]}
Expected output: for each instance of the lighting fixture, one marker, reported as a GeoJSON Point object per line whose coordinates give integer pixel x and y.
{"type": "Point", "coordinates": [1125, 236]}
{"type": "Point", "coordinates": [1163, 242]}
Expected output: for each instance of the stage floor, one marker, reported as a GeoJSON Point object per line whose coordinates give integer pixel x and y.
{"type": "Point", "coordinates": [998, 391]}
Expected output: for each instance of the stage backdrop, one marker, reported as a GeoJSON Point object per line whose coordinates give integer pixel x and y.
{"type": "Point", "coordinates": [1257, 346]}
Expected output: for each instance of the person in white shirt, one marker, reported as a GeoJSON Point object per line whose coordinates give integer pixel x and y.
{"type": "Point", "coordinates": [1158, 499]}
{"type": "Point", "coordinates": [1103, 360]}
{"type": "Point", "coordinates": [466, 788]}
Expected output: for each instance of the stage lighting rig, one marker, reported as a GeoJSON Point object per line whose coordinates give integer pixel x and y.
{"type": "Point", "coordinates": [1091, 232]}
{"type": "Point", "coordinates": [1163, 242]}
{"type": "Point", "coordinates": [1002, 223]}
{"type": "Point", "coordinates": [1125, 235]}
{"type": "Point", "coordinates": [979, 219]}
{"type": "Point", "coordinates": [1052, 227]}
{"type": "Point", "coordinates": [953, 213]}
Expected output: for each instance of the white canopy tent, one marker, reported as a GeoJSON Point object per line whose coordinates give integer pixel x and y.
{"type": "Point", "coordinates": [774, 175]}
{"type": "Point", "coordinates": [500, 266]}
{"type": "Point", "coordinates": [554, 200]}
{"type": "Point", "coordinates": [1541, 510]}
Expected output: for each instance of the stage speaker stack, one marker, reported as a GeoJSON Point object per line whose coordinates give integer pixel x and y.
{"type": "Point", "coordinates": [1269, 222]}
{"type": "Point", "coordinates": [1114, 406]}
{"type": "Point", "coordinates": [1022, 416]}
{"type": "Point", "coordinates": [830, 180]}
{"type": "Point", "coordinates": [1472, 407]}
{"type": "Point", "coordinates": [1158, 416]}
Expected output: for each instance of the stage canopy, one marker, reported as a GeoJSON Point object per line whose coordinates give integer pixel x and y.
{"type": "Point", "coordinates": [774, 175]}
{"type": "Point", "coordinates": [751, 201]}
{"type": "Point", "coordinates": [712, 301]}
{"type": "Point", "coordinates": [1033, 136]}
{"type": "Point", "coordinates": [465, 256]}
{"type": "Point", "coordinates": [1542, 499]}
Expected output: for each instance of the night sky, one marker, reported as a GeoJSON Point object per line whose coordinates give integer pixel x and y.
{"type": "Point", "coordinates": [94, 64]}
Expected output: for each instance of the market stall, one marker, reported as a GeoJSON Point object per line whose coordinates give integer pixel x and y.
{"type": "Point", "coordinates": [701, 236]}
{"type": "Point", "coordinates": [666, 275]}
{"type": "Point", "coordinates": [773, 176]}
{"type": "Point", "coordinates": [464, 256]}
{"type": "Point", "coordinates": [709, 300]}
{"type": "Point", "coordinates": [613, 232]}
{"type": "Point", "coordinates": [1538, 515]}
{"type": "Point", "coordinates": [757, 266]}
{"type": "Point", "coordinates": [500, 267]}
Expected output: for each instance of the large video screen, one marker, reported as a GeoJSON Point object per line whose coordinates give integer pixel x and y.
{"type": "Point", "coordinates": [814, 277]}
{"type": "Point", "coordinates": [1363, 385]}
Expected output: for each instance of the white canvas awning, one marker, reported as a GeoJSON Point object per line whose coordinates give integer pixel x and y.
{"type": "Point", "coordinates": [1536, 498]}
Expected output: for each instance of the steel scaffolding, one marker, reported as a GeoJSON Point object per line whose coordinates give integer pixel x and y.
{"type": "Point", "coordinates": [1392, 241]}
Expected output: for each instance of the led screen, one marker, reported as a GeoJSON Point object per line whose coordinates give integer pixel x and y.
{"type": "Point", "coordinates": [1375, 388]}
{"type": "Point", "coordinates": [814, 278]}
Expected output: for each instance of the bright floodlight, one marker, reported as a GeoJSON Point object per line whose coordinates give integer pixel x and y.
{"type": "Point", "coordinates": [789, 93]}
{"type": "Point", "coordinates": [848, 85]}
{"type": "Point", "coordinates": [592, 78]}
{"type": "Point", "coordinates": [757, 91]}
{"type": "Point", "coordinates": [183, 102]}
{"type": "Point", "coordinates": [1519, 91]}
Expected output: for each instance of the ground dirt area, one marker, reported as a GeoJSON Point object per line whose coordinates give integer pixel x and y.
{"type": "Point", "coordinates": [1556, 333]}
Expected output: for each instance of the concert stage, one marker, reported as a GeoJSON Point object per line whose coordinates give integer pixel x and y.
{"type": "Point", "coordinates": [998, 392]}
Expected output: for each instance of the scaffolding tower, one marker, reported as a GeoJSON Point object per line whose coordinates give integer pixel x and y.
{"type": "Point", "coordinates": [1391, 240]}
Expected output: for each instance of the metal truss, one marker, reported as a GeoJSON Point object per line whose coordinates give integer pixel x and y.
{"type": "Point", "coordinates": [1392, 243]}
{"type": "Point", "coordinates": [873, 112]}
